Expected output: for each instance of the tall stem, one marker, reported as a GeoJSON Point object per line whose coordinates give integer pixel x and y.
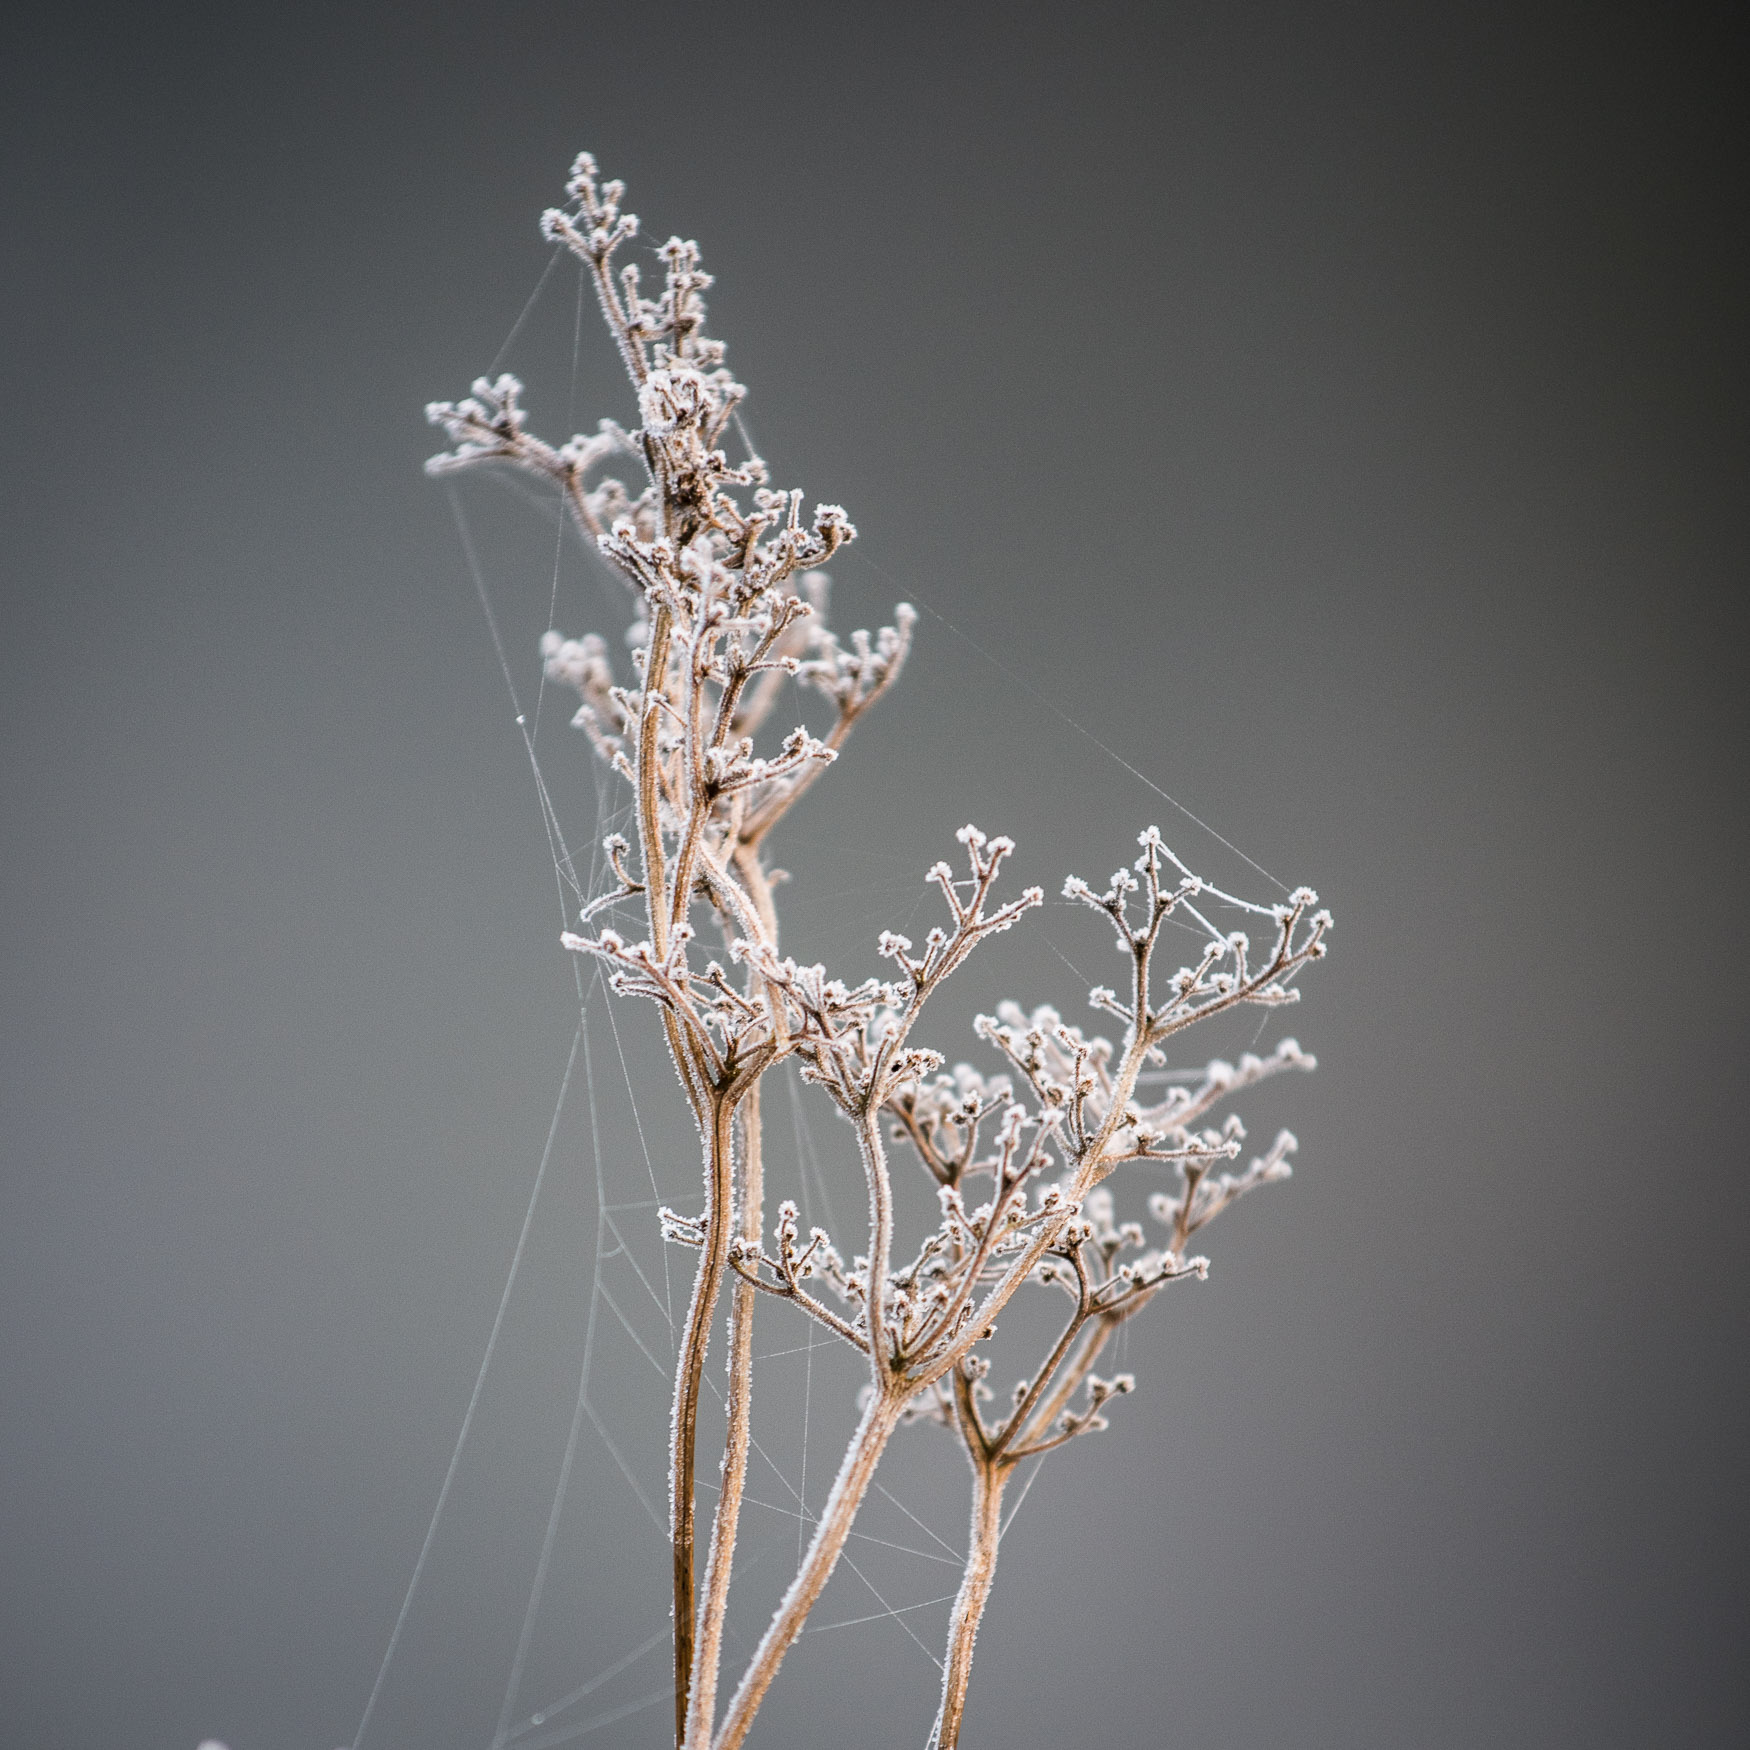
{"type": "Point", "coordinates": [714, 1602]}
{"type": "Point", "coordinates": [988, 1480]}
{"type": "Point", "coordinates": [880, 1417]}
{"type": "Point", "coordinates": [689, 1377]}
{"type": "Point", "coordinates": [881, 1360]}
{"type": "Point", "coordinates": [649, 782]}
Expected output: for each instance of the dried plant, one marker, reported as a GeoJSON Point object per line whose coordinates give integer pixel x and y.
{"type": "Point", "coordinates": [722, 570]}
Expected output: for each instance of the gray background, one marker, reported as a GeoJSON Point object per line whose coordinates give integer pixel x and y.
{"type": "Point", "coordinates": [1336, 410]}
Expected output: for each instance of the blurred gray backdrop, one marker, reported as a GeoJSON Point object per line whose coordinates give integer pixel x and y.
{"type": "Point", "coordinates": [1337, 411]}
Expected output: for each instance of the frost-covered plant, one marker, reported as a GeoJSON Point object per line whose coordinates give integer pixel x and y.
{"type": "Point", "coordinates": [722, 569]}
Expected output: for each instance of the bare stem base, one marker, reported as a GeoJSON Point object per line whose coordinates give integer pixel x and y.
{"type": "Point", "coordinates": [988, 1482]}
{"type": "Point", "coordinates": [880, 1418]}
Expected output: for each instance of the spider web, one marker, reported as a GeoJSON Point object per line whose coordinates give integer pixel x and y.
{"type": "Point", "coordinates": [631, 1293]}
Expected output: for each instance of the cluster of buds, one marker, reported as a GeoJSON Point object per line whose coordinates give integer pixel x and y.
{"type": "Point", "coordinates": [1223, 976]}
{"type": "Point", "coordinates": [784, 1270]}
{"type": "Point", "coordinates": [853, 1040]}
{"type": "Point", "coordinates": [1202, 1198]}
{"type": "Point", "coordinates": [490, 425]}
{"type": "Point", "coordinates": [942, 1117]}
{"type": "Point", "coordinates": [727, 599]}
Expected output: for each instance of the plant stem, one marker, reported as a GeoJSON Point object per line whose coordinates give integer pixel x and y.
{"type": "Point", "coordinates": [696, 1691]}
{"type": "Point", "coordinates": [1040, 1416]}
{"type": "Point", "coordinates": [881, 1360]}
{"type": "Point", "coordinates": [689, 1377]}
{"type": "Point", "coordinates": [989, 1477]}
{"type": "Point", "coordinates": [713, 1605]}
{"type": "Point", "coordinates": [880, 1417]}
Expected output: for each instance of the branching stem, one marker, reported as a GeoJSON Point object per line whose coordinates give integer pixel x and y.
{"type": "Point", "coordinates": [730, 605]}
